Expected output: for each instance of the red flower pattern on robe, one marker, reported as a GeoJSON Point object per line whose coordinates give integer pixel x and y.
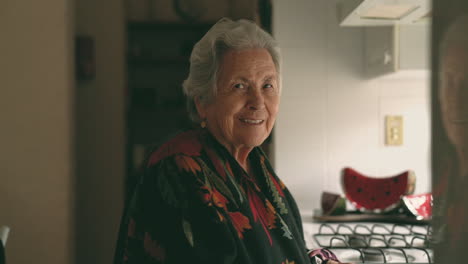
{"type": "Point", "coordinates": [187, 163]}
{"type": "Point", "coordinates": [240, 222]}
{"type": "Point", "coordinates": [182, 143]}
{"type": "Point", "coordinates": [265, 214]}
{"type": "Point", "coordinates": [214, 197]}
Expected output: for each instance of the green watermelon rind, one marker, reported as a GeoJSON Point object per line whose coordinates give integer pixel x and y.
{"type": "Point", "coordinates": [338, 205]}
{"type": "Point", "coordinates": [339, 208]}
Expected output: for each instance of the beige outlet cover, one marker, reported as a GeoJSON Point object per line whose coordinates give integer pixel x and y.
{"type": "Point", "coordinates": [394, 130]}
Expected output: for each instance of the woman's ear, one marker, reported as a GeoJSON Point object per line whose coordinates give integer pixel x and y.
{"type": "Point", "coordinates": [201, 108]}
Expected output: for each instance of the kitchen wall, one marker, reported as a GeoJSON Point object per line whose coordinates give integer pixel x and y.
{"type": "Point", "coordinates": [332, 116]}
{"type": "Point", "coordinates": [36, 130]}
{"type": "Point", "coordinates": [100, 132]}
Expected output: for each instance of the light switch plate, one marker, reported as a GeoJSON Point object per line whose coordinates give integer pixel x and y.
{"type": "Point", "coordinates": [394, 130]}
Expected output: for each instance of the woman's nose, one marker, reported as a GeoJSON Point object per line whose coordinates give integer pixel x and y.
{"type": "Point", "coordinates": [256, 100]}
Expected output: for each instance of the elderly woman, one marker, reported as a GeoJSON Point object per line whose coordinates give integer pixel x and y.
{"type": "Point", "coordinates": [209, 195]}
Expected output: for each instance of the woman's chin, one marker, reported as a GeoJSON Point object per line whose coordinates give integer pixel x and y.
{"type": "Point", "coordinates": [253, 141]}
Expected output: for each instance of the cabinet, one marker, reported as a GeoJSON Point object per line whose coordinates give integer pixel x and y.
{"type": "Point", "coordinates": [383, 12]}
{"type": "Point", "coordinates": [394, 49]}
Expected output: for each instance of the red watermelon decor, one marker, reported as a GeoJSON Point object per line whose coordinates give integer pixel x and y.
{"type": "Point", "coordinates": [376, 194]}
{"type": "Point", "coordinates": [420, 205]}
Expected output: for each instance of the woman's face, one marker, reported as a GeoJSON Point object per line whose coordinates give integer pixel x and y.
{"type": "Point", "coordinates": [454, 95]}
{"type": "Point", "coordinates": [244, 109]}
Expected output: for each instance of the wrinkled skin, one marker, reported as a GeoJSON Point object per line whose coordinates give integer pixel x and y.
{"type": "Point", "coordinates": [243, 112]}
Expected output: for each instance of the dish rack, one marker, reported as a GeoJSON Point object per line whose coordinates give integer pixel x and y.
{"type": "Point", "coordinates": [377, 243]}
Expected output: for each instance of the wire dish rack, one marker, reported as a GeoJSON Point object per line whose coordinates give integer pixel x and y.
{"type": "Point", "coordinates": [377, 243]}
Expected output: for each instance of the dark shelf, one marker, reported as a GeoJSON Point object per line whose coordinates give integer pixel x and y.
{"type": "Point", "coordinates": [151, 125]}
{"type": "Point", "coordinates": [158, 62]}
{"type": "Point", "coordinates": [169, 108]}
{"type": "Point", "coordinates": [164, 26]}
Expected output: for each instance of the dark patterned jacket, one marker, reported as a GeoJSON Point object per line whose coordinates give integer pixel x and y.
{"type": "Point", "coordinates": [196, 204]}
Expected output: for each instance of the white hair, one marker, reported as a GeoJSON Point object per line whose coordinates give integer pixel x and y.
{"type": "Point", "coordinates": [207, 54]}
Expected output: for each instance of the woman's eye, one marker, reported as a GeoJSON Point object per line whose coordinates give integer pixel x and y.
{"type": "Point", "coordinates": [268, 86]}
{"type": "Point", "coordinates": [239, 86]}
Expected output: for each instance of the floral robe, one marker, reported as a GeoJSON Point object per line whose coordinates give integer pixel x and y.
{"type": "Point", "coordinates": [196, 204]}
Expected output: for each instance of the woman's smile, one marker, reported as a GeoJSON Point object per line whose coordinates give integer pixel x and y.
{"type": "Point", "coordinates": [252, 121]}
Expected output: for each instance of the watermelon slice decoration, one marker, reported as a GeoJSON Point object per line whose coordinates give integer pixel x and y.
{"type": "Point", "coordinates": [376, 194]}
{"type": "Point", "coordinates": [420, 205]}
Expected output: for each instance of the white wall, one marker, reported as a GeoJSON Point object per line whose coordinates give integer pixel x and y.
{"type": "Point", "coordinates": [100, 133]}
{"type": "Point", "coordinates": [331, 116]}
{"type": "Point", "coordinates": [36, 130]}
